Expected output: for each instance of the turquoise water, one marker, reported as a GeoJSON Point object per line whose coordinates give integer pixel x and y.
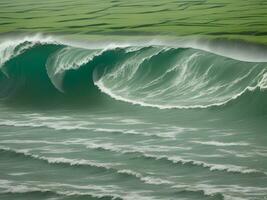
{"type": "Point", "coordinates": [147, 119]}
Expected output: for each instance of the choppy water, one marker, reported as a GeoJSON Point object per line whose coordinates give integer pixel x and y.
{"type": "Point", "coordinates": [135, 120]}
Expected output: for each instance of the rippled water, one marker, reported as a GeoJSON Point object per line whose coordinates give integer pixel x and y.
{"type": "Point", "coordinates": [222, 18]}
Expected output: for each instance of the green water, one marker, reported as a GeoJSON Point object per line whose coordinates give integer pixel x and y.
{"type": "Point", "coordinates": [111, 101]}
{"type": "Point", "coordinates": [237, 19]}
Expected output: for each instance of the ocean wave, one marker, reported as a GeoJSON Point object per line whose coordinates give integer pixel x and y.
{"type": "Point", "coordinates": [145, 179]}
{"type": "Point", "coordinates": [10, 187]}
{"type": "Point", "coordinates": [155, 74]}
{"type": "Point", "coordinates": [211, 167]}
{"type": "Point", "coordinates": [226, 192]}
{"type": "Point", "coordinates": [201, 191]}
{"type": "Point", "coordinates": [60, 160]}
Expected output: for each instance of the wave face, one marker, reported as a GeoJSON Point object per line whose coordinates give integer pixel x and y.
{"type": "Point", "coordinates": [152, 75]}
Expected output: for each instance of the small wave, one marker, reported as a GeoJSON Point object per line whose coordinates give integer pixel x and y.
{"type": "Point", "coordinates": [220, 144]}
{"type": "Point", "coordinates": [211, 167]}
{"type": "Point", "coordinates": [63, 125]}
{"type": "Point", "coordinates": [97, 145]}
{"type": "Point", "coordinates": [237, 154]}
{"type": "Point", "coordinates": [21, 189]}
{"type": "Point", "coordinates": [19, 174]}
{"type": "Point", "coordinates": [97, 192]}
{"type": "Point", "coordinates": [80, 125]}
{"type": "Point", "coordinates": [108, 166]}
{"type": "Point", "coordinates": [226, 192]}
{"type": "Point", "coordinates": [201, 191]}
{"type": "Point", "coordinates": [81, 162]}
{"type": "Point", "coordinates": [128, 149]}
{"type": "Point", "coordinates": [59, 160]}
{"type": "Point", "coordinates": [210, 193]}
{"type": "Point", "coordinates": [146, 179]}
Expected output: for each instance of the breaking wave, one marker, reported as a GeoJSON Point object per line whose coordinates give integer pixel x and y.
{"type": "Point", "coordinates": [154, 74]}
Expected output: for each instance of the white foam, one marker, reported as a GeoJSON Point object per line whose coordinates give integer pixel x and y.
{"type": "Point", "coordinates": [221, 144]}
{"type": "Point", "coordinates": [19, 174]}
